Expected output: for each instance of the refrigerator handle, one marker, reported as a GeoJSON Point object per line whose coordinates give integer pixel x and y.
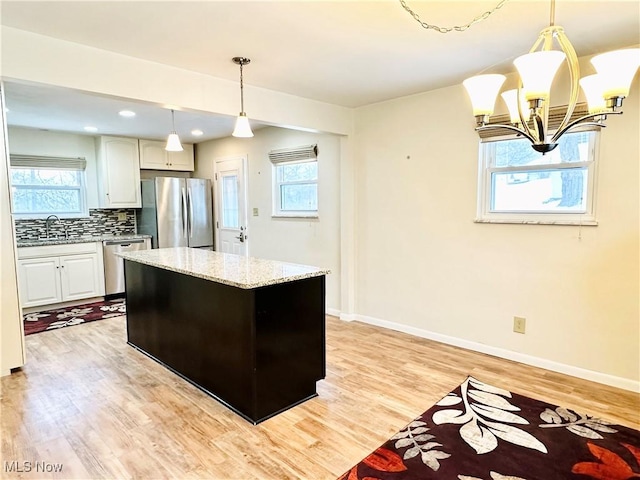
{"type": "Point", "coordinates": [184, 213]}
{"type": "Point", "coordinates": [190, 217]}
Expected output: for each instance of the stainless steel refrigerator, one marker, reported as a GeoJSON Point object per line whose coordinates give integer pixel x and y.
{"type": "Point", "coordinates": [177, 212]}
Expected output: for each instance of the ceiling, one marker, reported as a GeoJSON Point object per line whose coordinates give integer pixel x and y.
{"type": "Point", "coordinates": [349, 53]}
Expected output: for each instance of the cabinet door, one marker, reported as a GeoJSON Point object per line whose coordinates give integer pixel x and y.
{"type": "Point", "coordinates": [80, 277]}
{"type": "Point", "coordinates": [182, 160]}
{"type": "Point", "coordinates": [153, 155]}
{"type": "Point", "coordinates": [39, 281]}
{"type": "Point", "coordinates": [120, 169]}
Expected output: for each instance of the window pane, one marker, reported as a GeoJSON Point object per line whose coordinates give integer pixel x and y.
{"type": "Point", "coordinates": [41, 177]}
{"type": "Point", "coordinates": [46, 201]}
{"type": "Point", "coordinates": [299, 197]}
{"type": "Point", "coordinates": [573, 147]}
{"type": "Point", "coordinates": [297, 172]}
{"type": "Point", "coordinates": [230, 214]}
{"type": "Point", "coordinates": [540, 191]}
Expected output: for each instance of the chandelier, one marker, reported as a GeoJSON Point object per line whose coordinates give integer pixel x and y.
{"type": "Point", "coordinates": [528, 105]}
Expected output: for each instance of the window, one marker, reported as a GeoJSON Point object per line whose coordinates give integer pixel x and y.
{"type": "Point", "coordinates": [295, 185]}
{"type": "Point", "coordinates": [41, 186]}
{"type": "Point", "coordinates": [520, 185]}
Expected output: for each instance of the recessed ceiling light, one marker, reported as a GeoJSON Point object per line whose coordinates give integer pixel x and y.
{"type": "Point", "coordinates": [89, 128]}
{"type": "Point", "coordinates": [127, 113]}
{"type": "Point", "coordinates": [197, 133]}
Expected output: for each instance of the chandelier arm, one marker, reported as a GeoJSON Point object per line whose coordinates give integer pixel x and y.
{"type": "Point", "coordinates": [574, 76]}
{"type": "Point", "coordinates": [508, 127]}
{"type": "Point", "coordinates": [457, 28]}
{"type": "Point", "coordinates": [579, 121]}
{"type": "Point", "coordinates": [540, 127]}
{"type": "Point", "coordinates": [523, 122]}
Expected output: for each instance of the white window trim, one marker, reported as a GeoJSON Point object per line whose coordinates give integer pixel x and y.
{"type": "Point", "coordinates": [277, 211]}
{"type": "Point", "coordinates": [82, 188]}
{"type": "Point", "coordinates": [485, 215]}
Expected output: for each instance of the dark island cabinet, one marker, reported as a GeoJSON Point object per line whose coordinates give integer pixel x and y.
{"type": "Point", "coordinates": [257, 350]}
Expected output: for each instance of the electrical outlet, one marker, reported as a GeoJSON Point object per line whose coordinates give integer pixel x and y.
{"type": "Point", "coordinates": [519, 324]}
{"type": "Point", "coordinates": [122, 216]}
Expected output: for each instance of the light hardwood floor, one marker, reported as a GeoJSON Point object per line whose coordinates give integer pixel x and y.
{"type": "Point", "coordinates": [89, 401]}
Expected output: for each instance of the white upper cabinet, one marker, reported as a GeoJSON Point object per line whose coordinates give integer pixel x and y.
{"type": "Point", "coordinates": [153, 156]}
{"type": "Point", "coordinates": [118, 172]}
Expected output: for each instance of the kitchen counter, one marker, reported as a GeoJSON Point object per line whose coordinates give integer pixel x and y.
{"type": "Point", "coordinates": [225, 268]}
{"type": "Point", "coordinates": [249, 332]}
{"type": "Point", "coordinates": [64, 241]}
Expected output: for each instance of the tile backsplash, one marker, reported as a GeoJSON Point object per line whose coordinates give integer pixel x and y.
{"type": "Point", "coordinates": [99, 222]}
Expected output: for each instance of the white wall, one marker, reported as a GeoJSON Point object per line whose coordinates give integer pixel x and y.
{"type": "Point", "coordinates": [307, 241]}
{"type": "Point", "coordinates": [30, 141]}
{"type": "Point", "coordinates": [11, 336]}
{"type": "Point", "coordinates": [426, 267]}
{"type": "Point", "coordinates": [27, 56]}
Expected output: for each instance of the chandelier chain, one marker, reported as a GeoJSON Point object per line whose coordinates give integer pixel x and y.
{"type": "Point", "coordinates": [457, 28]}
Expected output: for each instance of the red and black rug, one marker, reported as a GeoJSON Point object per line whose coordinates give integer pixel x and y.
{"type": "Point", "coordinates": [483, 432]}
{"type": "Point", "coordinates": [66, 317]}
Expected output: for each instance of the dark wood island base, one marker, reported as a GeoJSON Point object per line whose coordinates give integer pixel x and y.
{"type": "Point", "coordinates": [259, 351]}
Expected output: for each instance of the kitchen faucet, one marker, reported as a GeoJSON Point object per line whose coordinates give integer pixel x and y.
{"type": "Point", "coordinates": [46, 222]}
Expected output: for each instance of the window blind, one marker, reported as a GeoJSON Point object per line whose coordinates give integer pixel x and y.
{"type": "Point", "coordinates": [295, 154]}
{"type": "Point", "coordinates": [51, 163]}
{"type": "Point", "coordinates": [556, 114]}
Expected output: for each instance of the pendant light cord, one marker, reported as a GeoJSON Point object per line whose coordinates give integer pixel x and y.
{"type": "Point", "coordinates": [173, 121]}
{"type": "Point", "coordinates": [552, 14]}
{"type": "Point", "coordinates": [241, 90]}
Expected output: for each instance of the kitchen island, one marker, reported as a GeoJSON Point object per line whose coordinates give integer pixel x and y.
{"type": "Point", "coordinates": [247, 331]}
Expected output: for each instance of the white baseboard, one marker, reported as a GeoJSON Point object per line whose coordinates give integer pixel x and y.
{"type": "Point", "coordinates": [583, 373]}
{"type": "Point", "coordinates": [334, 312]}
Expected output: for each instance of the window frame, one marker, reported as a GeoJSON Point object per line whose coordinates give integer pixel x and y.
{"type": "Point", "coordinates": [485, 214]}
{"type": "Point", "coordinates": [278, 212]}
{"type": "Point", "coordinates": [81, 188]}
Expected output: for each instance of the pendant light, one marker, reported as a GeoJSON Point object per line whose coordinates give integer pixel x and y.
{"type": "Point", "coordinates": [242, 129]}
{"type": "Point", "coordinates": [173, 141]}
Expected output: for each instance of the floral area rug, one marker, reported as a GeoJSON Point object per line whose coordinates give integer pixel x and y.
{"type": "Point", "coordinates": [66, 317]}
{"type": "Point", "coordinates": [483, 432]}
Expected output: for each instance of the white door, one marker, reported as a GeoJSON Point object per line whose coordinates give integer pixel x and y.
{"type": "Point", "coordinates": [231, 209]}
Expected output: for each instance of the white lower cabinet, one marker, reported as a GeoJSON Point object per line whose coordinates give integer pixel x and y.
{"type": "Point", "coordinates": [56, 273]}
{"type": "Point", "coordinates": [39, 281]}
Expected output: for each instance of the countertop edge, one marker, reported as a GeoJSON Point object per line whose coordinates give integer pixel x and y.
{"type": "Point", "coordinates": [225, 281]}
{"type": "Point", "coordinates": [72, 241]}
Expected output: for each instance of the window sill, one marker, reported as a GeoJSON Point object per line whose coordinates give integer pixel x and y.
{"type": "Point", "coordinates": [294, 215]}
{"type": "Point", "coordinates": [583, 223]}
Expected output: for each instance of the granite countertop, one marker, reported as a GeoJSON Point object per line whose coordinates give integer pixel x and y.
{"type": "Point", "coordinates": [226, 268]}
{"type": "Point", "coordinates": [63, 241]}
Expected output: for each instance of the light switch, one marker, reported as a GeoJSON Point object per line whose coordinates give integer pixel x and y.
{"type": "Point", "coordinates": [255, 212]}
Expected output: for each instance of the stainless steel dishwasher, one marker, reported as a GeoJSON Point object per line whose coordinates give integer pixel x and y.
{"type": "Point", "coordinates": [114, 265]}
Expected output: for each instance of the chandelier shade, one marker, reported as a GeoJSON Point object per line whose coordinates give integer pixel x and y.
{"type": "Point", "coordinates": [483, 90]}
{"type": "Point", "coordinates": [537, 71]}
{"type": "Point", "coordinates": [617, 69]}
{"type": "Point", "coordinates": [593, 88]}
{"type": "Point", "coordinates": [510, 98]}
